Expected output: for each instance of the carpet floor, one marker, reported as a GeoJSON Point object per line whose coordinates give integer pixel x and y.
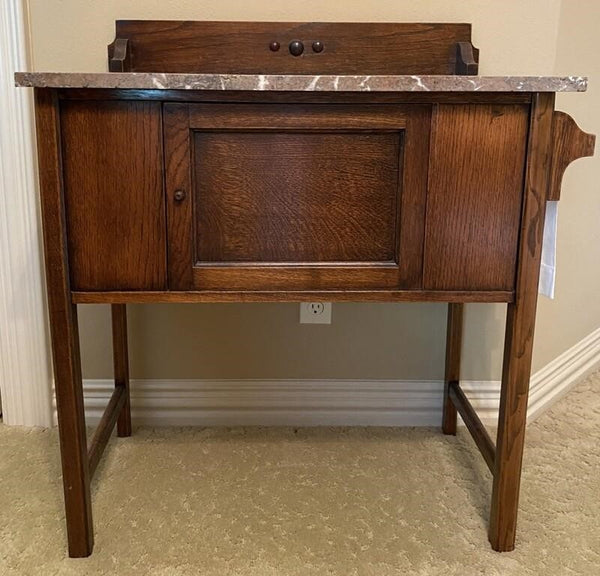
{"type": "Point", "coordinates": [320, 501]}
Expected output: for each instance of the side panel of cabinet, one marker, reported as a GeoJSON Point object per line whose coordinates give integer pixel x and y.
{"type": "Point", "coordinates": [114, 201]}
{"type": "Point", "coordinates": [475, 194]}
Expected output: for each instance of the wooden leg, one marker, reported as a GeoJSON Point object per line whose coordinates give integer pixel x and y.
{"type": "Point", "coordinates": [511, 429]}
{"type": "Point", "coordinates": [71, 426]}
{"type": "Point", "coordinates": [121, 364]}
{"type": "Point", "coordinates": [520, 324]}
{"type": "Point", "coordinates": [453, 348]}
{"type": "Point", "coordinates": [117, 412]}
{"type": "Point", "coordinates": [64, 331]}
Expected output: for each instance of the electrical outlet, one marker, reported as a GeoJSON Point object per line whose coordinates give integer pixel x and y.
{"type": "Point", "coordinates": [315, 313]}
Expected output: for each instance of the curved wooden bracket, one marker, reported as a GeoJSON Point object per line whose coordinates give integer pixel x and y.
{"type": "Point", "coordinates": [466, 59]}
{"type": "Point", "coordinates": [119, 55]}
{"type": "Point", "coordinates": [568, 144]}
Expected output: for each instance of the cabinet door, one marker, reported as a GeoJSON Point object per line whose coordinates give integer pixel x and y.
{"type": "Point", "coordinates": [295, 197]}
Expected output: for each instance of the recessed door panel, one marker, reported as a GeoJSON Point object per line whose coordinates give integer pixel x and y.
{"type": "Point", "coordinates": [295, 197]}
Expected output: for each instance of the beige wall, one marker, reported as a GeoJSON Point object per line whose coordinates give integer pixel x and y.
{"type": "Point", "coordinates": [365, 340]}
{"type": "Point", "coordinates": [576, 310]}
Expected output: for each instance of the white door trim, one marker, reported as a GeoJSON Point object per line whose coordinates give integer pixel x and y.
{"type": "Point", "coordinates": [25, 368]}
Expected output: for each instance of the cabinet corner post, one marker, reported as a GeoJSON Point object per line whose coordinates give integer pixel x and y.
{"type": "Point", "coordinates": [520, 324]}
{"type": "Point", "coordinates": [64, 330]}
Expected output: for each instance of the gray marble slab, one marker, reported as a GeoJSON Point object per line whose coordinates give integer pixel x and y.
{"type": "Point", "coordinates": [298, 83]}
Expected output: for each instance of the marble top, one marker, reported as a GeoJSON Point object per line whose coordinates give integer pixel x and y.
{"type": "Point", "coordinates": [297, 83]}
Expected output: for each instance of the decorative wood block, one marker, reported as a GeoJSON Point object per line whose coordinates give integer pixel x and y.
{"type": "Point", "coordinates": [568, 144]}
{"type": "Point", "coordinates": [467, 63]}
{"type": "Point", "coordinates": [119, 55]}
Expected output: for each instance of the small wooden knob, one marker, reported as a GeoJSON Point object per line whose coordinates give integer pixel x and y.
{"type": "Point", "coordinates": [179, 195]}
{"type": "Point", "coordinates": [317, 46]}
{"type": "Point", "coordinates": [296, 48]}
{"type": "Point", "coordinates": [274, 46]}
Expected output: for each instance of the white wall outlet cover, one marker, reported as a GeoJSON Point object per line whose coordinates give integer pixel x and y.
{"type": "Point", "coordinates": [315, 313]}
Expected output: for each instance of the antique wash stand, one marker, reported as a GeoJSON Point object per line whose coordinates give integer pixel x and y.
{"type": "Point", "coordinates": [222, 162]}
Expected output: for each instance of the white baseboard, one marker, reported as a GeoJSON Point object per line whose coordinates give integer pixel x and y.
{"type": "Point", "coordinates": [553, 381]}
{"type": "Point", "coordinates": [275, 402]}
{"type": "Point", "coordinates": [288, 402]}
{"type": "Point", "coordinates": [331, 402]}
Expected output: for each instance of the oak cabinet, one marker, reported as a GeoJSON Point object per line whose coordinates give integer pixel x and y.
{"type": "Point", "coordinates": [234, 162]}
{"type": "Point", "coordinates": [221, 196]}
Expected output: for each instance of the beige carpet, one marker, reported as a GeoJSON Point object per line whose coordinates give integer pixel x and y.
{"type": "Point", "coordinates": [319, 501]}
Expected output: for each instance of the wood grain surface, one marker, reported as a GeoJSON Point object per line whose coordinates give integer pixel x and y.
{"type": "Point", "coordinates": [245, 47]}
{"type": "Point", "coordinates": [245, 97]}
{"type": "Point", "coordinates": [520, 328]}
{"type": "Point", "coordinates": [474, 424]}
{"type": "Point", "coordinates": [345, 295]}
{"type": "Point", "coordinates": [475, 194]}
{"type": "Point", "coordinates": [454, 330]}
{"type": "Point", "coordinates": [114, 194]}
{"type": "Point", "coordinates": [105, 427]}
{"type": "Point", "coordinates": [569, 143]}
{"type": "Point", "coordinates": [63, 330]}
{"type": "Point", "coordinates": [297, 197]}
{"type": "Point", "coordinates": [121, 365]}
